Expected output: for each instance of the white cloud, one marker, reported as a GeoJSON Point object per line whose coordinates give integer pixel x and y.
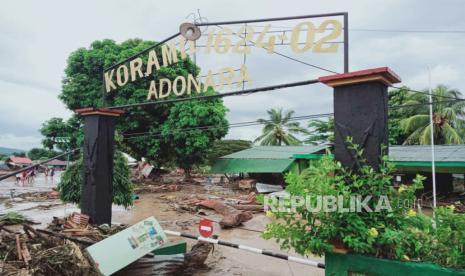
{"type": "Point", "coordinates": [38, 36]}
{"type": "Point", "coordinates": [19, 142]}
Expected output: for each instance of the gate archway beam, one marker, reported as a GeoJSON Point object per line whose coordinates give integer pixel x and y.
{"type": "Point", "coordinates": [222, 95]}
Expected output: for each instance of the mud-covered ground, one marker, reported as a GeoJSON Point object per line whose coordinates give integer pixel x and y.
{"type": "Point", "coordinates": [164, 206]}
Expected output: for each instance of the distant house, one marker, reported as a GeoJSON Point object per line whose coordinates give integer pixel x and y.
{"type": "Point", "coordinates": [409, 161]}
{"type": "Point", "coordinates": [4, 169]}
{"type": "Point", "coordinates": [18, 162]}
{"type": "Point", "coordinates": [266, 163]}
{"type": "Point", "coordinates": [58, 164]}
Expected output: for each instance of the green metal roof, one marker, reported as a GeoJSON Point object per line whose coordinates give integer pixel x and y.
{"type": "Point", "coordinates": [251, 165]}
{"type": "Point", "coordinates": [278, 158]}
{"type": "Point", "coordinates": [443, 153]}
{"type": "Point", "coordinates": [262, 159]}
{"type": "Point", "coordinates": [273, 152]}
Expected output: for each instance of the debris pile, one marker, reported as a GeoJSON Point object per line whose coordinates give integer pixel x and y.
{"type": "Point", "coordinates": [234, 211]}
{"type": "Point", "coordinates": [59, 249]}
{"type": "Point", "coordinates": [156, 188]}
{"type": "Point", "coordinates": [33, 253]}
{"type": "Point", "coordinates": [76, 227]}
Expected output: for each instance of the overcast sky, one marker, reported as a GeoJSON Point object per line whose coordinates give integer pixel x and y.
{"type": "Point", "coordinates": [36, 37]}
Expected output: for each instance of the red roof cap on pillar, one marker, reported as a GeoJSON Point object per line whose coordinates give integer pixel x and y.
{"type": "Point", "coordinates": [382, 74]}
{"type": "Point", "coordinates": [99, 111]}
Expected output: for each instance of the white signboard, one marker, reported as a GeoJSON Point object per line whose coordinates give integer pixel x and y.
{"type": "Point", "coordinates": [127, 246]}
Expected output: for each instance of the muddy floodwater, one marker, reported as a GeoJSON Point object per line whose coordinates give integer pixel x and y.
{"type": "Point", "coordinates": [10, 187]}
{"type": "Point", "coordinates": [223, 260]}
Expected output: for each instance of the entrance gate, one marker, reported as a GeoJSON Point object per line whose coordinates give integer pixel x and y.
{"type": "Point", "coordinates": [360, 103]}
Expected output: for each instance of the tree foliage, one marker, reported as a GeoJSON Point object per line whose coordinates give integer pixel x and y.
{"type": "Point", "coordinates": [448, 118]}
{"type": "Point", "coordinates": [321, 132]}
{"type": "Point", "coordinates": [409, 124]}
{"type": "Point", "coordinates": [398, 97]}
{"type": "Point", "coordinates": [55, 129]}
{"type": "Point", "coordinates": [190, 145]}
{"type": "Point", "coordinates": [71, 182]}
{"type": "Point", "coordinates": [279, 129]}
{"type": "Point", "coordinates": [38, 153]}
{"type": "Point", "coordinates": [150, 131]}
{"type": "Point", "coordinates": [225, 147]}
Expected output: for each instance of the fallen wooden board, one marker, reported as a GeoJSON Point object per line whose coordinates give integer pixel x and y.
{"type": "Point", "coordinates": [127, 246]}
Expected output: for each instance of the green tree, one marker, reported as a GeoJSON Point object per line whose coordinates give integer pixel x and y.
{"type": "Point", "coordinates": [279, 129]}
{"type": "Point", "coordinates": [38, 153]}
{"type": "Point", "coordinates": [144, 128]}
{"type": "Point", "coordinates": [61, 134]}
{"type": "Point", "coordinates": [189, 145]}
{"type": "Point", "coordinates": [399, 97]}
{"type": "Point", "coordinates": [448, 118]}
{"type": "Point", "coordinates": [321, 132]}
{"type": "Point", "coordinates": [225, 147]}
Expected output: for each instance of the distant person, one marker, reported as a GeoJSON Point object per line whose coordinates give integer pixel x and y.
{"type": "Point", "coordinates": [23, 177]}
{"type": "Point", "coordinates": [31, 175]}
{"type": "Point", "coordinates": [18, 178]}
{"type": "Point", "coordinates": [52, 173]}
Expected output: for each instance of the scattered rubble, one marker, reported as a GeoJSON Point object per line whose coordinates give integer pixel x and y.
{"type": "Point", "coordinates": [59, 249]}
{"type": "Point", "coordinates": [156, 188]}
{"type": "Point", "coordinates": [247, 184]}
{"type": "Point", "coordinates": [178, 264]}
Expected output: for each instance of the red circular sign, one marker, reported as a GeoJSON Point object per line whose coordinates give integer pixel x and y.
{"type": "Point", "coordinates": [205, 228]}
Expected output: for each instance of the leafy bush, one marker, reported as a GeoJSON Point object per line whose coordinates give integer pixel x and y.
{"type": "Point", "coordinates": [71, 182]}
{"type": "Point", "coordinates": [400, 233]}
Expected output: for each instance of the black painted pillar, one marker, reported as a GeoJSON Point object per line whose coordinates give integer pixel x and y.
{"type": "Point", "coordinates": [97, 188]}
{"type": "Point", "coordinates": [361, 112]}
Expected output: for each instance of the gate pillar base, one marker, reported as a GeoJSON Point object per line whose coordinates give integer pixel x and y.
{"type": "Point", "coordinates": [97, 186]}
{"type": "Point", "coordinates": [361, 112]}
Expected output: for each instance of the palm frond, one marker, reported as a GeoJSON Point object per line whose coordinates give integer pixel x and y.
{"type": "Point", "coordinates": [451, 136]}
{"type": "Point", "coordinates": [413, 123]}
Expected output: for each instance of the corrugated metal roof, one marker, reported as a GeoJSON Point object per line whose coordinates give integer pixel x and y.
{"type": "Point", "coordinates": [20, 160]}
{"type": "Point", "coordinates": [251, 165]}
{"type": "Point", "coordinates": [273, 152]}
{"type": "Point", "coordinates": [443, 153]}
{"type": "Point", "coordinates": [56, 162]}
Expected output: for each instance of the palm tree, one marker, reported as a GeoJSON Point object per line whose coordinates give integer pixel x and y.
{"type": "Point", "coordinates": [321, 132]}
{"type": "Point", "coordinates": [448, 118]}
{"type": "Point", "coordinates": [279, 129]}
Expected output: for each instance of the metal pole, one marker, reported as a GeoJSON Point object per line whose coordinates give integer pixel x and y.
{"type": "Point", "coordinates": [249, 249]}
{"type": "Point", "coordinates": [346, 42]}
{"type": "Point", "coordinates": [433, 161]}
{"type": "Point", "coordinates": [141, 52]}
{"type": "Point", "coordinates": [245, 52]}
{"type": "Point", "coordinates": [104, 94]}
{"type": "Point", "coordinates": [270, 19]}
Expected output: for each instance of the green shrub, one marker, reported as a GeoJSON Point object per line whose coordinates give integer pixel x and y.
{"type": "Point", "coordinates": [400, 233]}
{"type": "Point", "coordinates": [71, 182]}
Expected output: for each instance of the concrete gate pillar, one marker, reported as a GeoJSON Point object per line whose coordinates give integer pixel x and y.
{"type": "Point", "coordinates": [361, 112]}
{"type": "Point", "coordinates": [97, 188]}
